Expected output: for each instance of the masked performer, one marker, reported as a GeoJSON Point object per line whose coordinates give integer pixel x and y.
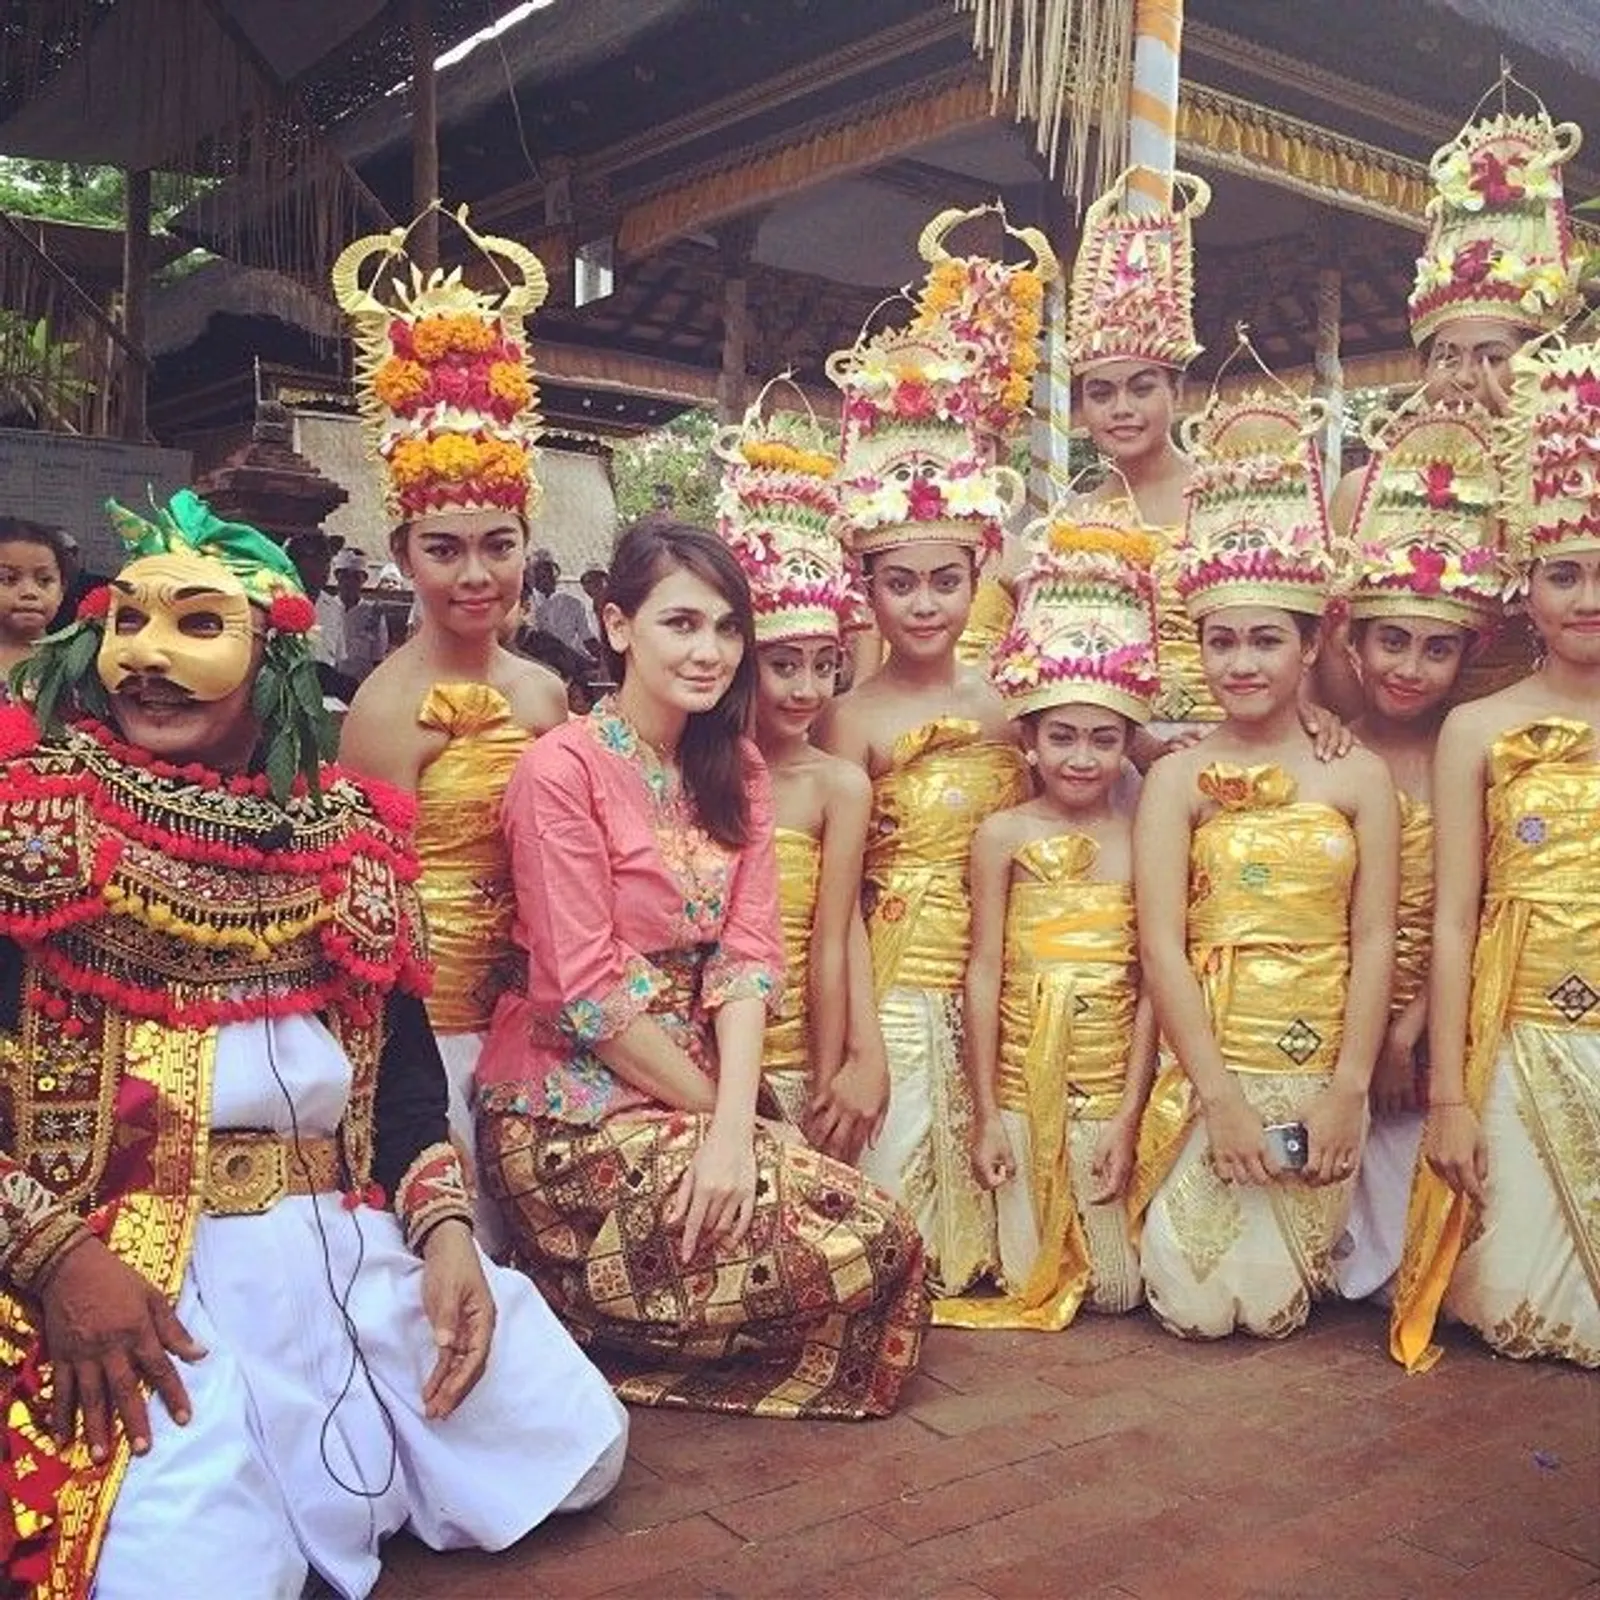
{"type": "Point", "coordinates": [225, 1176]}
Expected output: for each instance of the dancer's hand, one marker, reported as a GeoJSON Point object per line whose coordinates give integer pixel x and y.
{"type": "Point", "coordinates": [1112, 1162]}
{"type": "Point", "coordinates": [1394, 1078]}
{"type": "Point", "coordinates": [1331, 738]}
{"type": "Point", "coordinates": [993, 1160]}
{"type": "Point", "coordinates": [1454, 1146]}
{"type": "Point", "coordinates": [717, 1197]}
{"type": "Point", "coordinates": [1335, 1122]}
{"type": "Point", "coordinates": [848, 1113]}
{"type": "Point", "coordinates": [109, 1335]}
{"type": "Point", "coordinates": [460, 1310]}
{"type": "Point", "coordinates": [1234, 1130]}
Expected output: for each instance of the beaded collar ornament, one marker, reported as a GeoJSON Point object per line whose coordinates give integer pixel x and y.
{"type": "Point", "coordinates": [778, 511]}
{"type": "Point", "coordinates": [1256, 526]}
{"type": "Point", "coordinates": [1550, 454]}
{"type": "Point", "coordinates": [1424, 538]}
{"type": "Point", "coordinates": [1499, 243]}
{"type": "Point", "coordinates": [445, 380]}
{"type": "Point", "coordinates": [1132, 293]}
{"type": "Point", "coordinates": [1085, 626]}
{"type": "Point", "coordinates": [995, 307]}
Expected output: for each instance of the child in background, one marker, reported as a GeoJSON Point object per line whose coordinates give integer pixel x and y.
{"type": "Point", "coordinates": [1426, 584]}
{"type": "Point", "coordinates": [778, 511]}
{"type": "Point", "coordinates": [36, 569]}
{"type": "Point", "coordinates": [1060, 1045]}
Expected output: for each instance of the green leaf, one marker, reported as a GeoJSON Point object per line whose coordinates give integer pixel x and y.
{"type": "Point", "coordinates": [281, 763]}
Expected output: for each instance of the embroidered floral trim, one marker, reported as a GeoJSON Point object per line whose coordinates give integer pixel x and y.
{"type": "Point", "coordinates": [586, 1021]}
{"type": "Point", "coordinates": [433, 1190]}
{"type": "Point", "coordinates": [727, 979]}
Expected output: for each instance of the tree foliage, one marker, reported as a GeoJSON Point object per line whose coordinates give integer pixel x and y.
{"type": "Point", "coordinates": [669, 469]}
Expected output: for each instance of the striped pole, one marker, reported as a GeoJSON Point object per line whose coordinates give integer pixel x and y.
{"type": "Point", "coordinates": [1153, 103]}
{"type": "Point", "coordinates": [1050, 469]}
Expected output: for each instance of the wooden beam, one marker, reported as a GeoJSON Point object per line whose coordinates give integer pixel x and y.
{"type": "Point", "coordinates": [135, 299]}
{"type": "Point", "coordinates": [423, 245]}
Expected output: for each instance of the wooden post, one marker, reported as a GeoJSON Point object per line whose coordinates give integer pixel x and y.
{"type": "Point", "coordinates": [734, 245]}
{"type": "Point", "coordinates": [1050, 442]}
{"type": "Point", "coordinates": [423, 246]}
{"type": "Point", "coordinates": [1327, 364]}
{"type": "Point", "coordinates": [135, 297]}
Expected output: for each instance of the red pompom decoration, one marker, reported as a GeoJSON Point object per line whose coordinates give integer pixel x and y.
{"type": "Point", "coordinates": [19, 732]}
{"type": "Point", "coordinates": [94, 605]}
{"type": "Point", "coordinates": [292, 613]}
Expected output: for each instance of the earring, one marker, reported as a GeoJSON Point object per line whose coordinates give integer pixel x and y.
{"type": "Point", "coordinates": [1031, 757]}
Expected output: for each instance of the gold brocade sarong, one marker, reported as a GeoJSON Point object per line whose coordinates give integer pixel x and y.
{"type": "Point", "coordinates": [1524, 1270]}
{"type": "Point", "coordinates": [1066, 1018]}
{"type": "Point", "coordinates": [988, 622]}
{"type": "Point", "coordinates": [1414, 928]}
{"type": "Point", "coordinates": [1270, 879]}
{"type": "Point", "coordinates": [786, 1053]}
{"type": "Point", "coordinates": [819, 1313]}
{"type": "Point", "coordinates": [944, 779]}
{"type": "Point", "coordinates": [466, 878]}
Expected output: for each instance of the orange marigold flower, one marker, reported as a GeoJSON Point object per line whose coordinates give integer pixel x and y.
{"type": "Point", "coordinates": [399, 383]}
{"type": "Point", "coordinates": [508, 382]}
{"type": "Point", "coordinates": [409, 462]}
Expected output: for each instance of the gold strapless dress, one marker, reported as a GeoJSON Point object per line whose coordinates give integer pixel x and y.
{"type": "Point", "coordinates": [1067, 1000]}
{"type": "Point", "coordinates": [1185, 695]}
{"type": "Point", "coordinates": [466, 877]}
{"type": "Point", "coordinates": [1414, 930]}
{"type": "Point", "coordinates": [987, 623]}
{"type": "Point", "coordinates": [787, 1052]}
{"type": "Point", "coordinates": [1524, 1269]}
{"type": "Point", "coordinates": [944, 779]}
{"type": "Point", "coordinates": [1270, 879]}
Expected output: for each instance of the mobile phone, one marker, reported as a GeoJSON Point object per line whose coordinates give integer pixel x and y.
{"type": "Point", "coordinates": [1287, 1145]}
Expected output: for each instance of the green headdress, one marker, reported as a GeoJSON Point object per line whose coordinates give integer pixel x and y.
{"type": "Point", "coordinates": [297, 734]}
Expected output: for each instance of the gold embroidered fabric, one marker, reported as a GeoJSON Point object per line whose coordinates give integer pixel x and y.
{"type": "Point", "coordinates": [787, 1053]}
{"type": "Point", "coordinates": [1535, 975]}
{"type": "Point", "coordinates": [1066, 1017]}
{"type": "Point", "coordinates": [944, 779]}
{"type": "Point", "coordinates": [1414, 929]}
{"type": "Point", "coordinates": [987, 623]}
{"type": "Point", "coordinates": [466, 876]}
{"type": "Point", "coordinates": [1270, 878]}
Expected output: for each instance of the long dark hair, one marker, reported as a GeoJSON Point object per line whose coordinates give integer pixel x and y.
{"type": "Point", "coordinates": [710, 754]}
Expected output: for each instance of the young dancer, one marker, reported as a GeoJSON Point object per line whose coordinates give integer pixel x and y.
{"type": "Point", "coordinates": [778, 511]}
{"type": "Point", "coordinates": [1266, 891]}
{"type": "Point", "coordinates": [446, 392]}
{"type": "Point", "coordinates": [1426, 578]}
{"type": "Point", "coordinates": [1060, 1046]}
{"type": "Point", "coordinates": [921, 503]}
{"type": "Point", "coordinates": [1502, 1232]}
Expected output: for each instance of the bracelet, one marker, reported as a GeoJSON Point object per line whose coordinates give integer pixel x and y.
{"type": "Point", "coordinates": [1446, 1105]}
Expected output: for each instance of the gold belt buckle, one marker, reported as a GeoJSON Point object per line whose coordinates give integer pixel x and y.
{"type": "Point", "coordinates": [245, 1177]}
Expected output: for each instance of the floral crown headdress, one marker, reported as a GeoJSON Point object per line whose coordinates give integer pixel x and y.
{"type": "Point", "coordinates": [918, 467]}
{"type": "Point", "coordinates": [996, 307]}
{"type": "Point", "coordinates": [778, 511]}
{"type": "Point", "coordinates": [287, 697]}
{"type": "Point", "coordinates": [1256, 522]}
{"type": "Point", "coordinates": [1132, 292]}
{"type": "Point", "coordinates": [1550, 454]}
{"type": "Point", "coordinates": [1424, 539]}
{"type": "Point", "coordinates": [1085, 624]}
{"type": "Point", "coordinates": [1499, 243]}
{"type": "Point", "coordinates": [444, 374]}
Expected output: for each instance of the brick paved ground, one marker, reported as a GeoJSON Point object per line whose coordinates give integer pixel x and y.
{"type": "Point", "coordinates": [1106, 1463]}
